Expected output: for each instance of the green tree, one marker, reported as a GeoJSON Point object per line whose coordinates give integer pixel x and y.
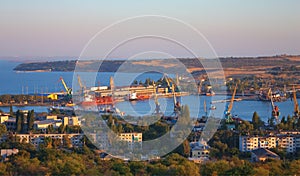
{"type": "Point", "coordinates": [290, 123]}
{"type": "Point", "coordinates": [256, 121]}
{"type": "Point", "coordinates": [19, 121]}
{"type": "Point", "coordinates": [11, 111]}
{"type": "Point", "coordinates": [23, 122]}
{"type": "Point", "coordinates": [245, 127]}
{"type": "Point", "coordinates": [183, 149]}
{"type": "Point", "coordinates": [48, 142]}
{"type": "Point", "coordinates": [50, 129]}
{"type": "Point", "coordinates": [295, 167]}
{"type": "Point", "coordinates": [120, 128]}
{"type": "Point", "coordinates": [3, 129]}
{"type": "Point", "coordinates": [30, 120]}
{"type": "Point", "coordinates": [67, 141]}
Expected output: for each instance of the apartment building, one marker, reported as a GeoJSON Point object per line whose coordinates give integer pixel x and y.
{"type": "Point", "coordinates": [131, 137]}
{"type": "Point", "coordinates": [289, 142]}
{"type": "Point", "coordinates": [76, 140]}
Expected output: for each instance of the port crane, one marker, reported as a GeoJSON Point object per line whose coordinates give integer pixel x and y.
{"type": "Point", "coordinates": [275, 109]}
{"type": "Point", "coordinates": [68, 90]}
{"type": "Point", "coordinates": [157, 106]}
{"type": "Point", "coordinates": [177, 107]}
{"type": "Point", "coordinates": [204, 107]}
{"type": "Point", "coordinates": [81, 85]}
{"type": "Point", "coordinates": [169, 82]}
{"type": "Point", "coordinates": [228, 116]}
{"type": "Point", "coordinates": [296, 106]}
{"type": "Point", "coordinates": [200, 85]}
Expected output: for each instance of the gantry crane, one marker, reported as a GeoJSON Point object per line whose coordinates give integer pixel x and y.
{"type": "Point", "coordinates": [296, 106]}
{"type": "Point", "coordinates": [228, 116]}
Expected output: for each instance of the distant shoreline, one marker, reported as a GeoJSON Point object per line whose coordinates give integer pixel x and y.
{"type": "Point", "coordinates": [232, 66]}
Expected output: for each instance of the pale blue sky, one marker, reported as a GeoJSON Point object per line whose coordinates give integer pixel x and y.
{"type": "Point", "coordinates": [233, 27]}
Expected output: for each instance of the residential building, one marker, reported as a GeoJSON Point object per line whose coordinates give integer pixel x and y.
{"type": "Point", "coordinates": [199, 152]}
{"type": "Point", "coordinates": [263, 154]}
{"type": "Point", "coordinates": [289, 142]}
{"type": "Point", "coordinates": [131, 137]}
{"type": "Point", "coordinates": [11, 124]}
{"type": "Point", "coordinates": [8, 152]}
{"type": "Point", "coordinates": [76, 140]}
{"type": "Point", "coordinates": [72, 121]}
{"type": "Point", "coordinates": [3, 118]}
{"type": "Point", "coordinates": [43, 125]}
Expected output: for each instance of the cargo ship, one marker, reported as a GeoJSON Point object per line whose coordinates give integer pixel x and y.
{"type": "Point", "coordinates": [276, 96]}
{"type": "Point", "coordinates": [96, 101]}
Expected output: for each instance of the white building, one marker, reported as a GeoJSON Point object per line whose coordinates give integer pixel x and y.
{"type": "Point", "coordinates": [288, 142]}
{"type": "Point", "coordinates": [37, 139]}
{"type": "Point", "coordinates": [199, 152]}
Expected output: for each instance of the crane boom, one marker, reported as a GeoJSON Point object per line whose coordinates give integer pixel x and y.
{"type": "Point", "coordinates": [157, 107]}
{"type": "Point", "coordinates": [275, 109]}
{"type": "Point", "coordinates": [200, 86]}
{"type": "Point", "coordinates": [232, 99]}
{"type": "Point", "coordinates": [174, 96]}
{"type": "Point", "coordinates": [79, 82]}
{"type": "Point", "coordinates": [69, 91]}
{"type": "Point", "coordinates": [204, 106]}
{"type": "Point", "coordinates": [296, 107]}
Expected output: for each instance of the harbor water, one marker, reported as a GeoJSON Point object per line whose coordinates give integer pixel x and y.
{"type": "Point", "coordinates": [12, 82]}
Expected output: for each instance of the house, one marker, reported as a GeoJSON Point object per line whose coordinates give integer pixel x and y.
{"type": "Point", "coordinates": [131, 137]}
{"type": "Point", "coordinates": [3, 118]}
{"type": "Point", "coordinates": [8, 152]}
{"type": "Point", "coordinates": [43, 125]}
{"type": "Point", "coordinates": [11, 124]}
{"type": "Point", "coordinates": [72, 121]}
{"type": "Point", "coordinates": [263, 154]}
{"type": "Point", "coordinates": [199, 152]}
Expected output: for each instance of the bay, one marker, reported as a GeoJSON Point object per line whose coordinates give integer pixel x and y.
{"type": "Point", "coordinates": [12, 82]}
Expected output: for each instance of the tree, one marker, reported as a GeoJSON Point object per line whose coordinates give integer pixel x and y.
{"type": "Point", "coordinates": [11, 111]}
{"type": "Point", "coordinates": [30, 120]}
{"type": "Point", "coordinates": [50, 129]}
{"type": "Point", "coordinates": [48, 142]}
{"type": "Point", "coordinates": [271, 122]}
{"type": "Point", "coordinates": [256, 121]}
{"type": "Point", "coordinates": [283, 120]}
{"type": "Point", "coordinates": [290, 123]}
{"type": "Point", "coordinates": [22, 122]}
{"type": "Point", "coordinates": [67, 141]}
{"type": "Point", "coordinates": [120, 128]}
{"type": "Point", "coordinates": [183, 149]}
{"type": "Point", "coordinates": [3, 129]}
{"type": "Point", "coordinates": [245, 127]}
{"type": "Point", "coordinates": [18, 121]}
{"type": "Point", "coordinates": [295, 167]}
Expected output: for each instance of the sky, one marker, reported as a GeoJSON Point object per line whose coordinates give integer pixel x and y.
{"type": "Point", "coordinates": [59, 28]}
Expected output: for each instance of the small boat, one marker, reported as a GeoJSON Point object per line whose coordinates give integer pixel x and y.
{"type": "Point", "coordinates": [213, 107]}
{"type": "Point", "coordinates": [134, 97]}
